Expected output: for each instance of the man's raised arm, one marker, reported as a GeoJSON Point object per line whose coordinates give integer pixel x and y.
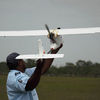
{"type": "Point", "coordinates": [47, 62]}
{"type": "Point", "coordinates": [56, 45]}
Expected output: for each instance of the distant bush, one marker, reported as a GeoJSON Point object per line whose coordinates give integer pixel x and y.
{"type": "Point", "coordinates": [80, 68]}
{"type": "Point", "coordinates": [3, 68]}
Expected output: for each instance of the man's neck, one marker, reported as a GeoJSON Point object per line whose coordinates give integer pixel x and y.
{"type": "Point", "coordinates": [20, 69]}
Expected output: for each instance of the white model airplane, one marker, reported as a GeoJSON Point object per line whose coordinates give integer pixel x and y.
{"type": "Point", "coordinates": [51, 34]}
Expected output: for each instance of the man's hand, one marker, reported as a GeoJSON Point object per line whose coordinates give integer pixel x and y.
{"type": "Point", "coordinates": [56, 42]}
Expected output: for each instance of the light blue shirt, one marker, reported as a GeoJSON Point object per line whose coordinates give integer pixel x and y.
{"type": "Point", "coordinates": [16, 83]}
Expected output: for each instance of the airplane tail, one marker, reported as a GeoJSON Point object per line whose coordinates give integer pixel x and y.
{"type": "Point", "coordinates": [41, 54]}
{"type": "Point", "coordinates": [41, 49]}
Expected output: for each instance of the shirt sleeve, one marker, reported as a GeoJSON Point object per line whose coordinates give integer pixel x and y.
{"type": "Point", "coordinates": [30, 71]}
{"type": "Point", "coordinates": [21, 81]}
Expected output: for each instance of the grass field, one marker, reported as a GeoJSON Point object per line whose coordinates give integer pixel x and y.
{"type": "Point", "coordinates": [62, 88]}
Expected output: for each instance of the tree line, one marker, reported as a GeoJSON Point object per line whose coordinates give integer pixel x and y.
{"type": "Point", "coordinates": [81, 68]}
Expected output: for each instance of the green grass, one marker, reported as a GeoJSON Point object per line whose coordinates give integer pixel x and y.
{"type": "Point", "coordinates": [3, 93]}
{"type": "Point", "coordinates": [62, 88]}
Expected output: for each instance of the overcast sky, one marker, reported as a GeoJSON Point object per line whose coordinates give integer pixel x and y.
{"type": "Point", "coordinates": [33, 14]}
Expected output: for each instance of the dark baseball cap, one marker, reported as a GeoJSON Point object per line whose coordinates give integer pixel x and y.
{"type": "Point", "coordinates": [11, 60]}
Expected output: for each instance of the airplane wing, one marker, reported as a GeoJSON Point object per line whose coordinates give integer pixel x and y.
{"type": "Point", "coordinates": [45, 32]}
{"type": "Point", "coordinates": [79, 31]}
{"type": "Point", "coordinates": [24, 33]}
{"type": "Point", "coordinates": [38, 56]}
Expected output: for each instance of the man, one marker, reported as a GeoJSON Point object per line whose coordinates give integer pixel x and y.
{"type": "Point", "coordinates": [22, 81]}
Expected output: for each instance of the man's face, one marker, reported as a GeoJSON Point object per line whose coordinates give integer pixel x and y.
{"type": "Point", "coordinates": [21, 64]}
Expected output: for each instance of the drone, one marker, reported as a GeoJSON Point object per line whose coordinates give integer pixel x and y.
{"type": "Point", "coordinates": [50, 33]}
